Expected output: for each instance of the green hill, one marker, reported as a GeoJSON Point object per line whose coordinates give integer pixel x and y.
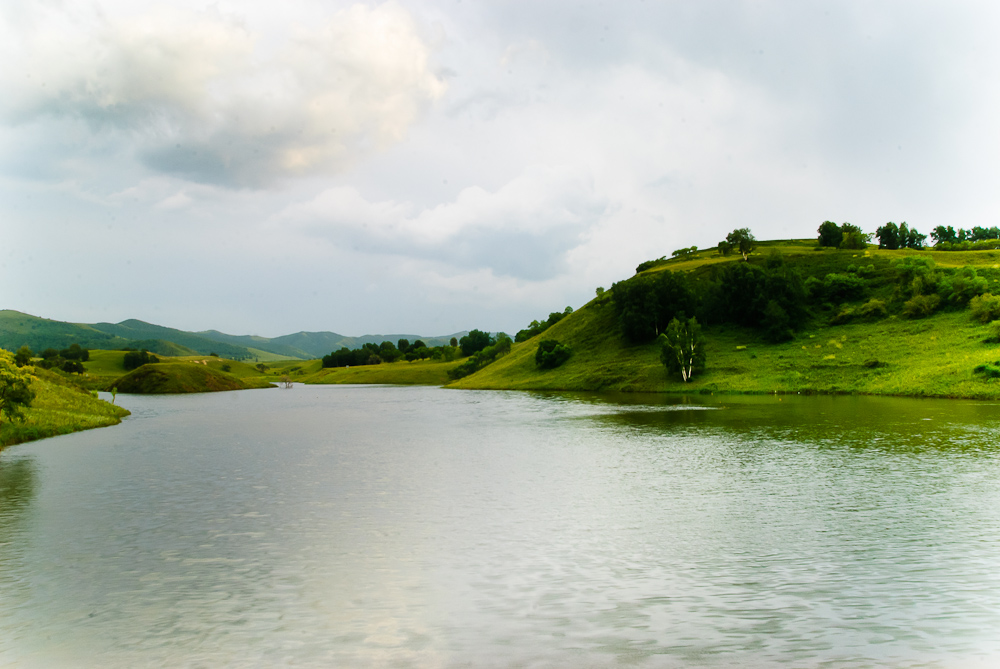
{"type": "Point", "coordinates": [18, 329]}
{"type": "Point", "coordinates": [936, 355]}
{"type": "Point", "coordinates": [137, 331]}
{"type": "Point", "coordinates": [184, 377]}
{"type": "Point", "coordinates": [59, 407]}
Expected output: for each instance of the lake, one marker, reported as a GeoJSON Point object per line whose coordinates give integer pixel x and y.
{"type": "Point", "coordinates": [324, 526]}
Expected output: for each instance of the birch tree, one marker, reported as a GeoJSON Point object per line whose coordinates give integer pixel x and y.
{"type": "Point", "coordinates": [682, 348]}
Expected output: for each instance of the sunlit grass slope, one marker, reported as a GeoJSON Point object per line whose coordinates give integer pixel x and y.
{"type": "Point", "coordinates": [60, 407]}
{"type": "Point", "coordinates": [933, 356]}
{"type": "Point", "coordinates": [184, 377]}
{"type": "Point", "coordinates": [423, 372]}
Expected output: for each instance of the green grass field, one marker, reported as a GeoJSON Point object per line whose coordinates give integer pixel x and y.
{"type": "Point", "coordinates": [184, 377]}
{"type": "Point", "coordinates": [60, 407]}
{"type": "Point", "coordinates": [933, 356]}
{"type": "Point", "coordinates": [424, 372]}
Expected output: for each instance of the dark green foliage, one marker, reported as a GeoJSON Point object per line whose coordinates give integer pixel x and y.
{"type": "Point", "coordinates": [454, 342]}
{"type": "Point", "coordinates": [75, 352]}
{"type": "Point", "coordinates": [403, 345]}
{"type": "Point", "coordinates": [136, 359]}
{"type": "Point", "coordinates": [829, 234]}
{"type": "Point", "coordinates": [483, 357]}
{"type": "Point", "coordinates": [475, 341]}
{"type": "Point", "coordinates": [985, 308]}
{"type": "Point", "coordinates": [551, 354]}
{"type": "Point", "coordinates": [368, 354]}
{"type": "Point", "coordinates": [23, 356]}
{"type": "Point", "coordinates": [776, 323]}
{"type": "Point", "coordinates": [724, 248]}
{"type": "Point", "coordinates": [851, 237]}
{"type": "Point", "coordinates": [538, 327]}
{"type": "Point", "coordinates": [838, 288]}
{"type": "Point", "coordinates": [962, 285]}
{"type": "Point", "coordinates": [915, 276]}
{"type": "Point", "coordinates": [742, 240]}
{"type": "Point", "coordinates": [890, 236]}
{"type": "Point", "coordinates": [946, 239]}
{"type": "Point", "coordinates": [388, 352]}
{"type": "Point", "coordinates": [650, 264]}
{"type": "Point", "coordinates": [684, 251]}
{"type": "Point", "coordinates": [989, 370]}
{"type": "Point", "coordinates": [744, 292]}
{"type": "Point", "coordinates": [72, 367]}
{"type": "Point", "coordinates": [646, 304]}
{"type": "Point", "coordinates": [682, 348]}
{"type": "Point", "coordinates": [919, 306]}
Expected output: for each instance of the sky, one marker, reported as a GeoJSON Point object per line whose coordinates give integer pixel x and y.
{"type": "Point", "coordinates": [430, 167]}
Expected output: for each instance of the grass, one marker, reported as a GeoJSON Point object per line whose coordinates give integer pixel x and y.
{"type": "Point", "coordinates": [424, 372]}
{"type": "Point", "coordinates": [930, 357]}
{"type": "Point", "coordinates": [184, 377]}
{"type": "Point", "coordinates": [60, 407]}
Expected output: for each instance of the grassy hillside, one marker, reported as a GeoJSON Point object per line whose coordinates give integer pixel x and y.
{"type": "Point", "coordinates": [136, 330]}
{"type": "Point", "coordinates": [418, 372]}
{"type": "Point", "coordinates": [932, 356]}
{"type": "Point", "coordinates": [18, 329]}
{"type": "Point", "coordinates": [184, 377]}
{"type": "Point", "coordinates": [60, 407]}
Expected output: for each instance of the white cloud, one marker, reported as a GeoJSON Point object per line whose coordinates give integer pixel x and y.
{"type": "Point", "coordinates": [522, 230]}
{"type": "Point", "coordinates": [198, 97]}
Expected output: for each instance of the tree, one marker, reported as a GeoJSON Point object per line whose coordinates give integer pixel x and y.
{"type": "Point", "coordinates": [888, 236]}
{"type": "Point", "coordinates": [23, 356]}
{"type": "Point", "coordinates": [474, 342]}
{"type": "Point", "coordinates": [942, 234]}
{"type": "Point", "coordinates": [403, 345]}
{"type": "Point", "coordinates": [851, 237]}
{"type": "Point", "coordinates": [551, 354]}
{"type": "Point", "coordinates": [15, 388]}
{"type": "Point", "coordinates": [829, 234]}
{"type": "Point", "coordinates": [743, 240]}
{"type": "Point", "coordinates": [453, 343]}
{"type": "Point", "coordinates": [682, 347]}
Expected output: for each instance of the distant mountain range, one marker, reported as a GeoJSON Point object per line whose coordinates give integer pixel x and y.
{"type": "Point", "coordinates": [18, 329]}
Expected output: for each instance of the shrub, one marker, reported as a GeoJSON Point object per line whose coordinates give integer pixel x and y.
{"type": "Point", "coordinates": [989, 370]}
{"type": "Point", "coordinates": [985, 307]}
{"type": "Point", "coordinates": [551, 354]}
{"type": "Point", "coordinates": [994, 333]}
{"type": "Point", "coordinates": [873, 308]}
{"type": "Point", "coordinates": [843, 287]}
{"type": "Point", "coordinates": [963, 285]}
{"type": "Point", "coordinates": [845, 315]}
{"type": "Point", "coordinates": [919, 306]}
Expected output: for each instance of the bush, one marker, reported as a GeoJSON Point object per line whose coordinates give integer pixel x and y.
{"type": "Point", "coordinates": [994, 333]}
{"type": "Point", "coordinates": [989, 370]}
{"type": "Point", "coordinates": [963, 285]}
{"type": "Point", "coordinates": [873, 308]}
{"type": "Point", "coordinates": [843, 287]}
{"type": "Point", "coordinates": [985, 307]}
{"type": "Point", "coordinates": [919, 306]}
{"type": "Point", "coordinates": [136, 359]}
{"type": "Point", "coordinates": [551, 354]}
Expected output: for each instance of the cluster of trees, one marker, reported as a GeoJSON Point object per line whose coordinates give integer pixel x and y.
{"type": "Point", "coordinates": [843, 236]}
{"type": "Point", "coordinates": [15, 387]}
{"type": "Point", "coordinates": [891, 236]}
{"type": "Point", "coordinates": [375, 354]}
{"type": "Point", "coordinates": [136, 359]}
{"type": "Point", "coordinates": [480, 357]}
{"type": "Point", "coordinates": [538, 327]}
{"type": "Point", "coordinates": [68, 359]}
{"type": "Point", "coordinates": [771, 297]}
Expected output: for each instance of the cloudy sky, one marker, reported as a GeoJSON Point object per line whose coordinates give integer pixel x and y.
{"type": "Point", "coordinates": [428, 167]}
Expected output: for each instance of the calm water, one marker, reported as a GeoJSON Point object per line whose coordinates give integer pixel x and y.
{"type": "Point", "coordinates": [374, 526]}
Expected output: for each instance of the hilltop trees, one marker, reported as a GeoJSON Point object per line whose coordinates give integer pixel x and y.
{"type": "Point", "coordinates": [645, 304]}
{"type": "Point", "coordinates": [742, 240]}
{"type": "Point", "coordinates": [843, 236]}
{"type": "Point", "coordinates": [538, 327]}
{"type": "Point", "coordinates": [890, 236]}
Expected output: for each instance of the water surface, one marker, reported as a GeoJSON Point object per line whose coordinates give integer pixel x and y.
{"type": "Point", "coordinates": [384, 526]}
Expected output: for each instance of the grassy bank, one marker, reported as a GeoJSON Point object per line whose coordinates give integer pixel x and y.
{"type": "Point", "coordinates": [933, 356]}
{"type": "Point", "coordinates": [184, 377]}
{"type": "Point", "coordinates": [60, 407]}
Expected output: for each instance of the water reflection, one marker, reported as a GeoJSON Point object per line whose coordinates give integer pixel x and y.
{"type": "Point", "coordinates": [425, 527]}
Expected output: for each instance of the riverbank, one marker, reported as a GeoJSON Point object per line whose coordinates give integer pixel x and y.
{"type": "Point", "coordinates": [59, 407]}
{"type": "Point", "coordinates": [932, 357]}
